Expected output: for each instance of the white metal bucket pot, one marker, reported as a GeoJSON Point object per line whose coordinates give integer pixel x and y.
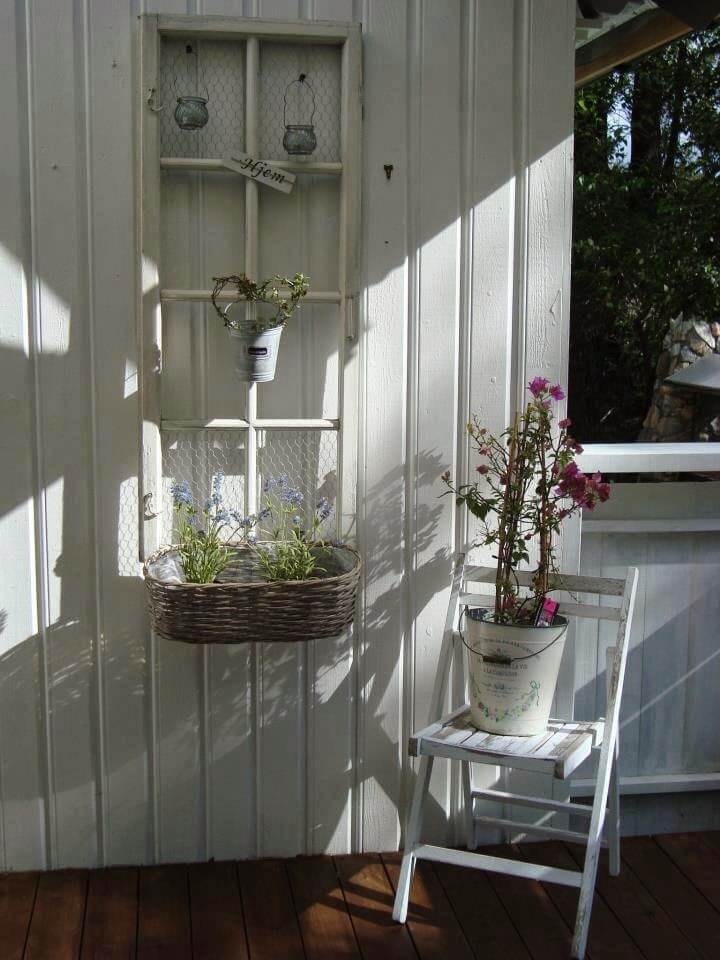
{"type": "Point", "coordinates": [513, 672]}
{"type": "Point", "coordinates": [255, 353]}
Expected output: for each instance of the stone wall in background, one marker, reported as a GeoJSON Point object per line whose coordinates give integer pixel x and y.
{"type": "Point", "coordinates": [681, 415]}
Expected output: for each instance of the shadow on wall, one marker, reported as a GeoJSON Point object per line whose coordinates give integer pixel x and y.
{"type": "Point", "coordinates": [48, 462]}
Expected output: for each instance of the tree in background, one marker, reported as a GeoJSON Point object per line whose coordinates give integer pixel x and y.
{"type": "Point", "coordinates": [646, 227]}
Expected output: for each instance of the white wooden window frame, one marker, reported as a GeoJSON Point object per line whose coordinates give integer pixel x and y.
{"type": "Point", "coordinates": [346, 36]}
{"type": "Point", "coordinates": [649, 457]}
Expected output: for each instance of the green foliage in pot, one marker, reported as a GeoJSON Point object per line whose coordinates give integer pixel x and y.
{"type": "Point", "coordinates": [283, 294]}
{"type": "Point", "coordinates": [296, 543]}
{"type": "Point", "coordinates": [293, 547]}
{"type": "Point", "coordinates": [529, 483]}
{"type": "Point", "coordinates": [201, 532]}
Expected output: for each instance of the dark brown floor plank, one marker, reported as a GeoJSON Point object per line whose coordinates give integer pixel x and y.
{"type": "Point", "coordinates": [607, 938]}
{"type": "Point", "coordinates": [688, 852]}
{"type": "Point", "coordinates": [57, 920]}
{"type": "Point", "coordinates": [17, 897]}
{"type": "Point", "coordinates": [433, 926]}
{"type": "Point", "coordinates": [218, 925]}
{"type": "Point", "coordinates": [111, 915]}
{"type": "Point", "coordinates": [270, 919]}
{"type": "Point", "coordinates": [535, 917]}
{"type": "Point", "coordinates": [487, 926]}
{"type": "Point", "coordinates": [369, 898]}
{"type": "Point", "coordinates": [164, 914]}
{"type": "Point", "coordinates": [325, 925]}
{"type": "Point", "coordinates": [650, 926]}
{"type": "Point", "coordinates": [675, 893]}
{"type": "Point", "coordinates": [711, 839]}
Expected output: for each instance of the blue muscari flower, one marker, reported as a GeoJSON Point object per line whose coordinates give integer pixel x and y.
{"type": "Point", "coordinates": [181, 494]}
{"type": "Point", "coordinates": [292, 496]}
{"type": "Point", "coordinates": [252, 538]}
{"type": "Point", "coordinates": [216, 498]}
{"type": "Point", "coordinates": [297, 520]}
{"type": "Point", "coordinates": [264, 514]}
{"type": "Point", "coordinates": [222, 515]}
{"type": "Point", "coordinates": [281, 480]}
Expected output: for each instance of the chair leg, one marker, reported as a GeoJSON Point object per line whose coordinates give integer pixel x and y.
{"type": "Point", "coordinates": [412, 835]}
{"type": "Point", "coordinates": [592, 858]}
{"type": "Point", "coordinates": [468, 805]}
{"type": "Point", "coordinates": [613, 831]}
{"type": "Point", "coordinates": [587, 890]}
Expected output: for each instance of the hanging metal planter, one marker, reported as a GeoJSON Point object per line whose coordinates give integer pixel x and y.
{"type": "Point", "coordinates": [300, 139]}
{"type": "Point", "coordinates": [191, 112]}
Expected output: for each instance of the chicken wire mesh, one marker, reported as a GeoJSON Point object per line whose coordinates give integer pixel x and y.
{"type": "Point", "coordinates": [218, 72]}
{"type": "Point", "coordinates": [196, 456]}
{"type": "Point", "coordinates": [280, 64]}
{"type": "Point", "coordinates": [308, 458]}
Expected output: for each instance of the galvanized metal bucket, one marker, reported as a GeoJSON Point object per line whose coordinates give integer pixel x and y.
{"type": "Point", "coordinates": [255, 352]}
{"type": "Point", "coordinates": [513, 672]}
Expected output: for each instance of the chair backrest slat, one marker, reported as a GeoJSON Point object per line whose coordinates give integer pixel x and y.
{"type": "Point", "coordinates": [602, 586]}
{"type": "Point", "coordinates": [587, 611]}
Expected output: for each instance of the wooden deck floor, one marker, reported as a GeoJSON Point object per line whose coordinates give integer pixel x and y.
{"type": "Point", "coordinates": [665, 904]}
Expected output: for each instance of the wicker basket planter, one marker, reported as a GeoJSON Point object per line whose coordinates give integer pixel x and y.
{"type": "Point", "coordinates": [239, 607]}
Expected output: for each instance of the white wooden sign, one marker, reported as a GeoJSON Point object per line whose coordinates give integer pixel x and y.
{"type": "Point", "coordinates": [261, 171]}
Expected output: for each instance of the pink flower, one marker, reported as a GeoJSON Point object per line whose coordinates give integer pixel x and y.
{"type": "Point", "coordinates": [445, 476]}
{"type": "Point", "coordinates": [584, 491]}
{"type": "Point", "coordinates": [538, 385]}
{"type": "Point", "coordinates": [557, 392]}
{"type": "Point", "coordinates": [482, 469]}
{"type": "Point", "coordinates": [564, 424]}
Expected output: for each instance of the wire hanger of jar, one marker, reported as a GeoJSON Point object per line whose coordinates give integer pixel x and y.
{"type": "Point", "coordinates": [191, 112]}
{"type": "Point", "coordinates": [299, 138]}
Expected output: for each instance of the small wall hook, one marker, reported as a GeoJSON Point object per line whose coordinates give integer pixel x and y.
{"type": "Point", "coordinates": [148, 513]}
{"type": "Point", "coordinates": [150, 98]}
{"type": "Point", "coordinates": [388, 168]}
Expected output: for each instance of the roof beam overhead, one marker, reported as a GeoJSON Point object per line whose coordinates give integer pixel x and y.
{"type": "Point", "coordinates": [631, 40]}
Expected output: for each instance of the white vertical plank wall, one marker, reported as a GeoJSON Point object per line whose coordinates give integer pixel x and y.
{"type": "Point", "coordinates": [116, 749]}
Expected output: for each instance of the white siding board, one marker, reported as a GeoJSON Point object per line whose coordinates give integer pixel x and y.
{"type": "Point", "coordinates": [434, 248]}
{"type": "Point", "coordinates": [180, 791]}
{"type": "Point", "coordinates": [701, 742]}
{"type": "Point", "coordinates": [63, 422]}
{"type": "Point", "coordinates": [22, 787]}
{"type": "Point", "coordinates": [490, 203]}
{"type": "Point", "coordinates": [665, 654]}
{"type": "Point", "coordinates": [122, 620]}
{"type": "Point", "coordinates": [543, 145]}
{"type": "Point", "coordinates": [382, 487]}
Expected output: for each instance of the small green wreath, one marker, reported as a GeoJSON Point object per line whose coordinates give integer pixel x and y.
{"type": "Point", "coordinates": [272, 291]}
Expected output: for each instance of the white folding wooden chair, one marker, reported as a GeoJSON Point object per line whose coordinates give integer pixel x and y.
{"type": "Point", "coordinates": [556, 753]}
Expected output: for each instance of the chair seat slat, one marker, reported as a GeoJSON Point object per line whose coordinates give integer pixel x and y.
{"type": "Point", "coordinates": [561, 748]}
